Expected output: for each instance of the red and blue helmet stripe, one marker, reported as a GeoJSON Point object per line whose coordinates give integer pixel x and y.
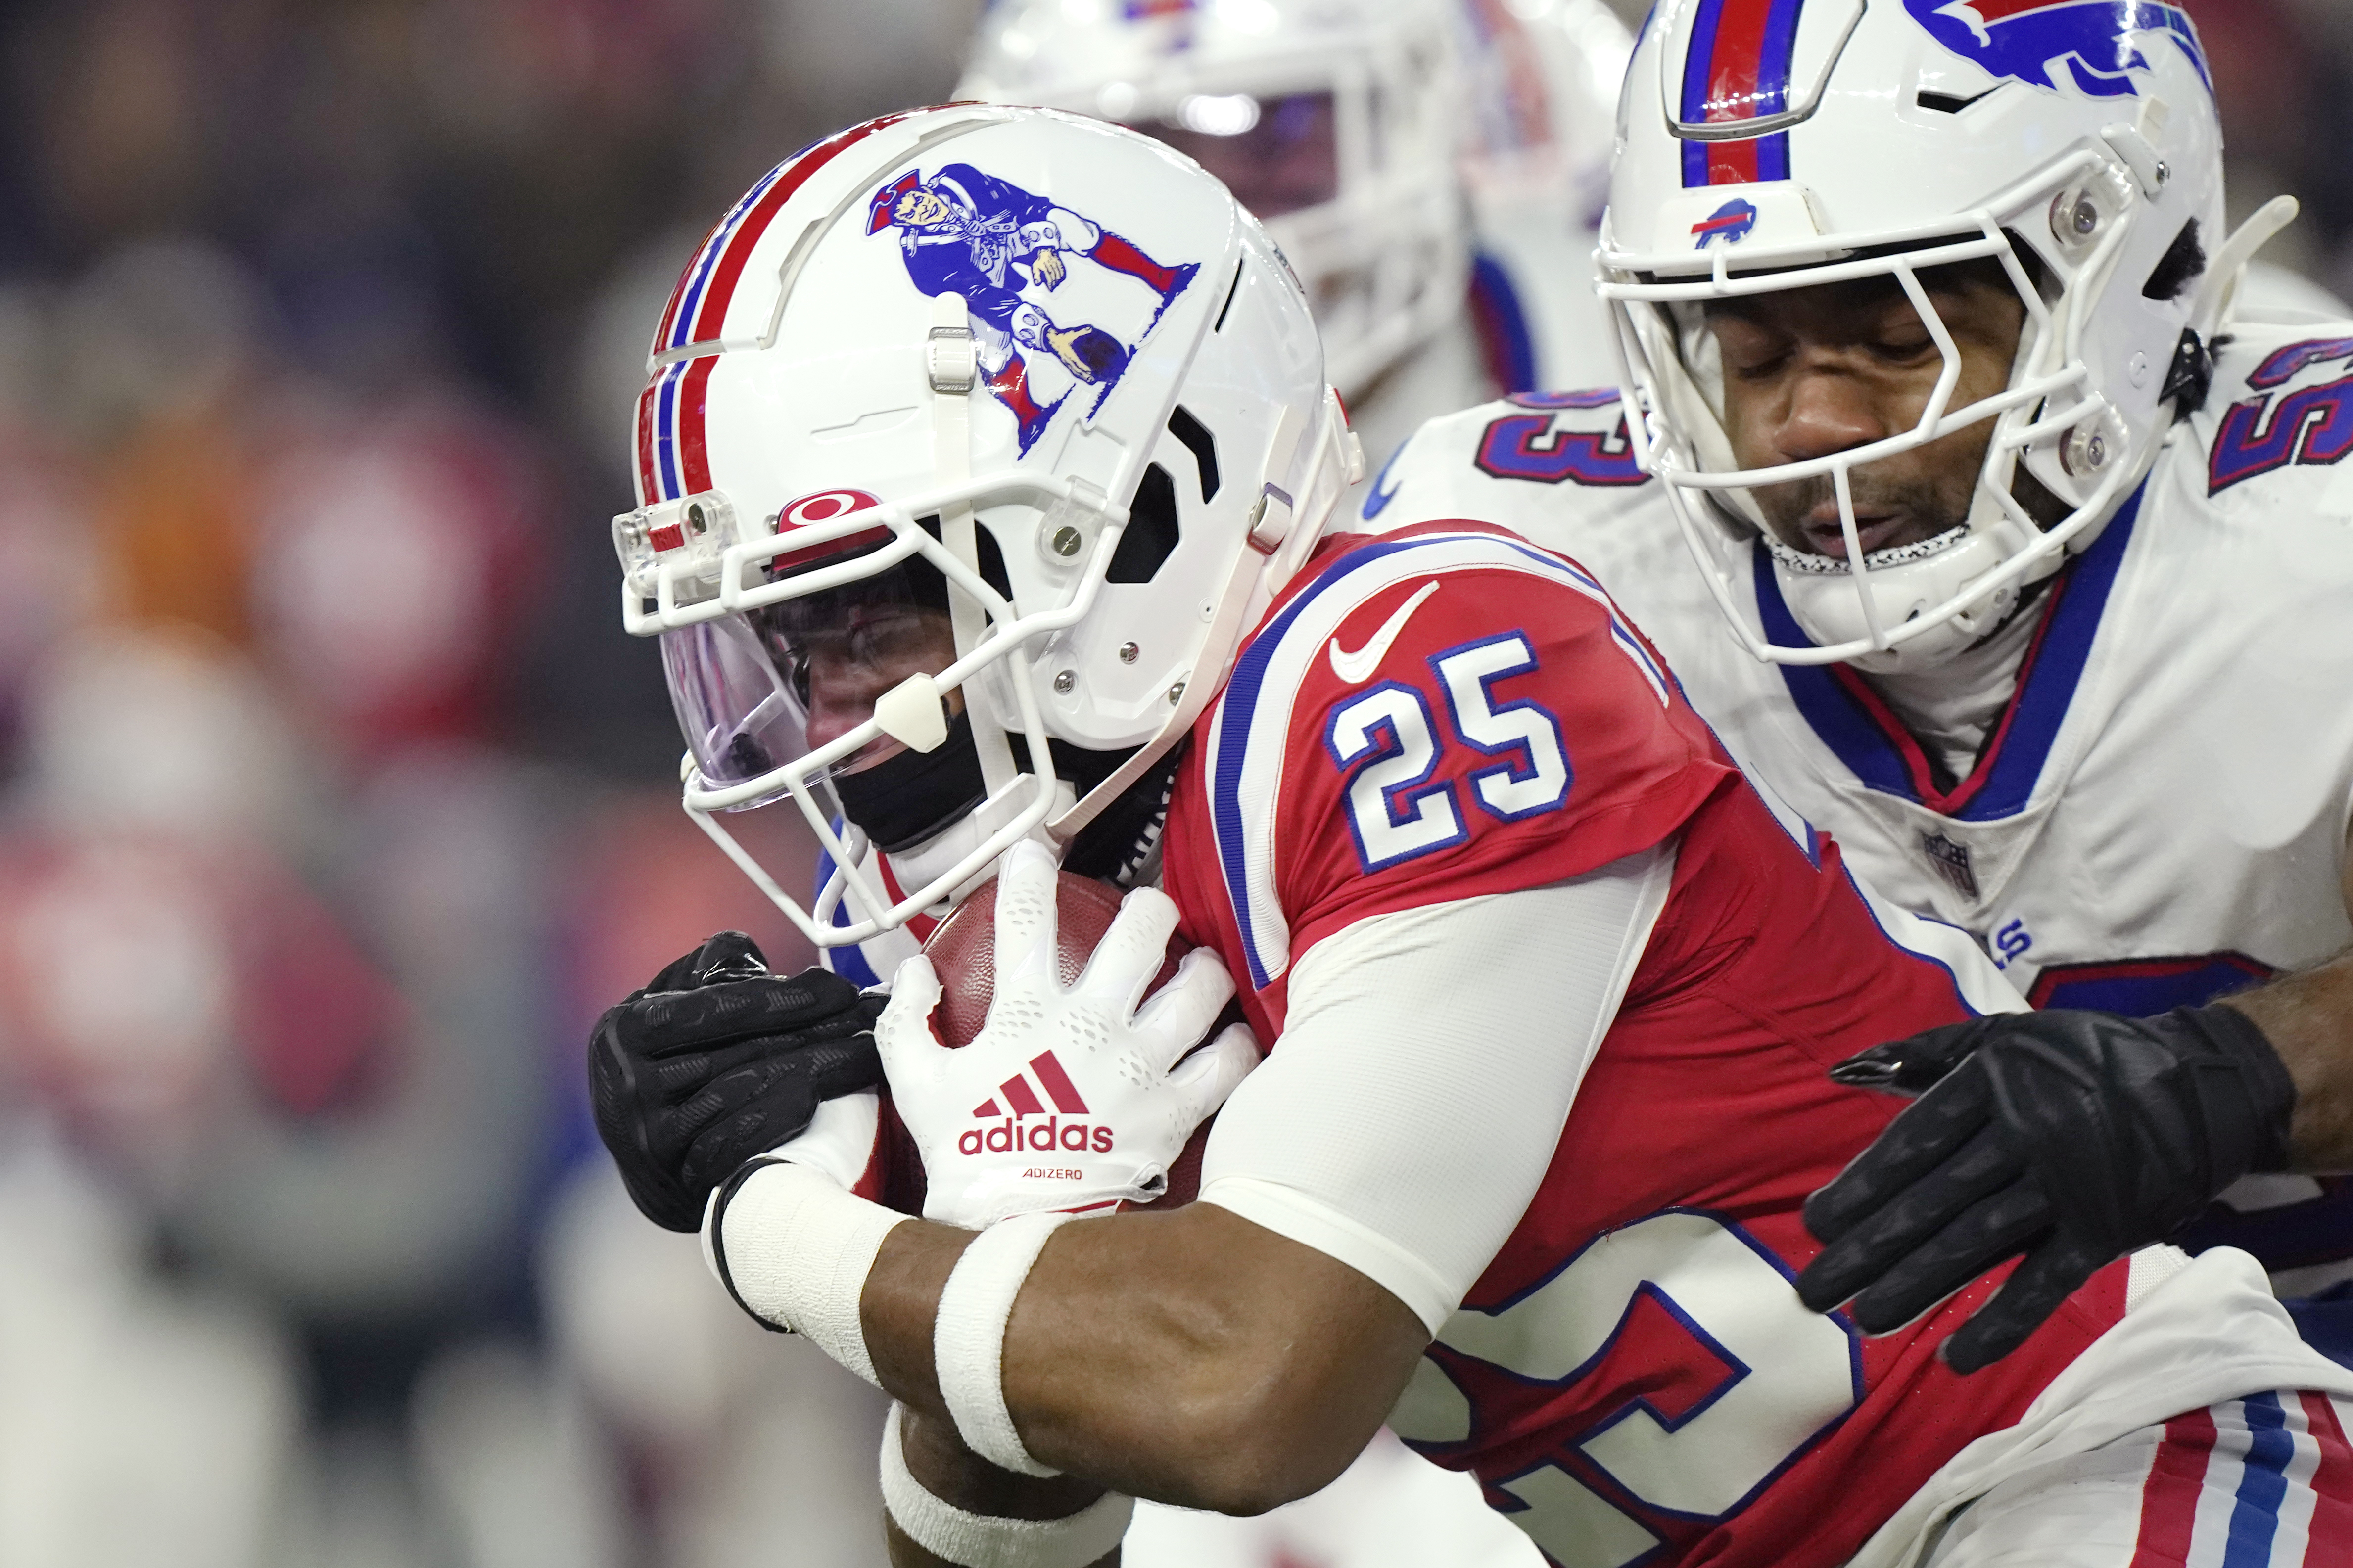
{"type": "Point", "coordinates": [1738, 68]}
{"type": "Point", "coordinates": [679, 316]}
{"type": "Point", "coordinates": [698, 306]}
{"type": "Point", "coordinates": [672, 460]}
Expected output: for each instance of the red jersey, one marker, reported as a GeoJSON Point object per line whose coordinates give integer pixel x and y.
{"type": "Point", "coordinates": [1449, 711]}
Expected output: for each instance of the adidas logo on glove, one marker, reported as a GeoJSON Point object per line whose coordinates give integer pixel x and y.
{"type": "Point", "coordinates": [1053, 1134]}
{"type": "Point", "coordinates": [1087, 1097]}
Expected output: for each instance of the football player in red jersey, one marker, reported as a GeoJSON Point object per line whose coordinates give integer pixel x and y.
{"type": "Point", "coordinates": [1551, 992]}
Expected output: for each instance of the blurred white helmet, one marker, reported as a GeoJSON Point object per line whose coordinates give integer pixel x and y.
{"type": "Point", "coordinates": [975, 436]}
{"type": "Point", "coordinates": [1541, 106]}
{"type": "Point", "coordinates": [1337, 122]}
{"type": "Point", "coordinates": [1778, 144]}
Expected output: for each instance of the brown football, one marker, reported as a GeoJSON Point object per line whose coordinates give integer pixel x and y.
{"type": "Point", "coordinates": [962, 950]}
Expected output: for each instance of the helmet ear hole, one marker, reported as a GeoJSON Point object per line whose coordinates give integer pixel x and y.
{"type": "Point", "coordinates": [2183, 263]}
{"type": "Point", "coordinates": [1200, 442]}
{"type": "Point", "coordinates": [1152, 532]}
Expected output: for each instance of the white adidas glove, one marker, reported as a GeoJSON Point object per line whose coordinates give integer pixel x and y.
{"type": "Point", "coordinates": [1065, 1099]}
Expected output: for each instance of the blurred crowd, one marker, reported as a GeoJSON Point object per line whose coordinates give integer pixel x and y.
{"type": "Point", "coordinates": [334, 805]}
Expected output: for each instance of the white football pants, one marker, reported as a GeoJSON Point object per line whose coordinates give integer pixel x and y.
{"type": "Point", "coordinates": [2261, 1482]}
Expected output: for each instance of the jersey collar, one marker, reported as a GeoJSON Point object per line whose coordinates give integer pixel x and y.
{"type": "Point", "coordinates": [1856, 723]}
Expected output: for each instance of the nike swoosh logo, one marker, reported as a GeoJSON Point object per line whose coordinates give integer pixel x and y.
{"type": "Point", "coordinates": [1357, 668]}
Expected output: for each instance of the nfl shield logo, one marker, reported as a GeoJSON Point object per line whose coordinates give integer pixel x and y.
{"type": "Point", "coordinates": [1952, 863]}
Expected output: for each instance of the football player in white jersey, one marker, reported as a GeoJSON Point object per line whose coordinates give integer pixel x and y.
{"type": "Point", "coordinates": [1432, 169]}
{"type": "Point", "coordinates": [2033, 552]}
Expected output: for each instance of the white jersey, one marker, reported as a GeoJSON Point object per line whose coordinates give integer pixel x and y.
{"type": "Point", "coordinates": [1530, 320]}
{"type": "Point", "coordinates": [2162, 812]}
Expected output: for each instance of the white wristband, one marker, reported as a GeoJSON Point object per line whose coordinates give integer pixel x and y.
{"type": "Point", "coordinates": [968, 1336]}
{"type": "Point", "coordinates": [988, 1540]}
{"type": "Point", "coordinates": [793, 1249]}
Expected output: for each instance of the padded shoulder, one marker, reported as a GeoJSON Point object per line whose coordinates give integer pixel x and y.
{"type": "Point", "coordinates": [1529, 450]}
{"type": "Point", "coordinates": [2279, 417]}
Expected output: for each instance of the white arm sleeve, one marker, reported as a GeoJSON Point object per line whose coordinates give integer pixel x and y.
{"type": "Point", "coordinates": [1425, 1070]}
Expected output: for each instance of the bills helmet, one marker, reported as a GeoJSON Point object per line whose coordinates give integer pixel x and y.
{"type": "Point", "coordinates": [973, 440]}
{"type": "Point", "coordinates": [1768, 145]}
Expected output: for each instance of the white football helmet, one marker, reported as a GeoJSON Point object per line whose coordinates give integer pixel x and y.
{"type": "Point", "coordinates": [975, 438]}
{"type": "Point", "coordinates": [1778, 144]}
{"type": "Point", "coordinates": [1337, 121]}
{"type": "Point", "coordinates": [1543, 78]}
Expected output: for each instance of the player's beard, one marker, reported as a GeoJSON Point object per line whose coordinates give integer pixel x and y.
{"type": "Point", "coordinates": [1921, 508]}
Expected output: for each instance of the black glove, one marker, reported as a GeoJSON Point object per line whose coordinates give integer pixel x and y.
{"type": "Point", "coordinates": [719, 1060]}
{"type": "Point", "coordinates": [2071, 1136]}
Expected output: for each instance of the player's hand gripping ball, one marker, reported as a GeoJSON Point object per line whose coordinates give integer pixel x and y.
{"type": "Point", "coordinates": [718, 1060]}
{"type": "Point", "coordinates": [1044, 1076]}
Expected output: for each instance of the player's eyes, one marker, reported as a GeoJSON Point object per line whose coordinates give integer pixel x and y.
{"type": "Point", "coordinates": [1759, 365]}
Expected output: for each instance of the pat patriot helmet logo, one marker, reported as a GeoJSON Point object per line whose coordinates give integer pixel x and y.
{"type": "Point", "coordinates": [2096, 42]}
{"type": "Point", "coordinates": [1729, 223]}
{"type": "Point", "coordinates": [1005, 249]}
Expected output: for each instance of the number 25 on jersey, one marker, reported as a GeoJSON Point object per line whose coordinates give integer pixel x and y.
{"type": "Point", "coordinates": [1386, 743]}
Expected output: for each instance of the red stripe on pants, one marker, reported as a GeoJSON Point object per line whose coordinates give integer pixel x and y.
{"type": "Point", "coordinates": [2332, 1486]}
{"type": "Point", "coordinates": [2169, 1501]}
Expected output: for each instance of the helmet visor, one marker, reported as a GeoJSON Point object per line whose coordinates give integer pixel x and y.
{"type": "Point", "coordinates": [759, 691]}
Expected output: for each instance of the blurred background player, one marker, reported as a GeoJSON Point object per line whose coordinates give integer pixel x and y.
{"type": "Point", "coordinates": [1432, 169]}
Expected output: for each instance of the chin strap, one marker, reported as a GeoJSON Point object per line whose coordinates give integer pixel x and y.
{"type": "Point", "coordinates": [2193, 371]}
{"type": "Point", "coordinates": [2220, 291]}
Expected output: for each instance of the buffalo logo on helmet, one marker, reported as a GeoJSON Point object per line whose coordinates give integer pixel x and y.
{"type": "Point", "coordinates": [2094, 40]}
{"type": "Point", "coordinates": [1006, 250]}
{"type": "Point", "coordinates": [1730, 223]}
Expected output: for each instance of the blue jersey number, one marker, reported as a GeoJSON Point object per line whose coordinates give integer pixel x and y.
{"type": "Point", "coordinates": [2312, 425]}
{"type": "Point", "coordinates": [1528, 446]}
{"type": "Point", "coordinates": [1712, 1376]}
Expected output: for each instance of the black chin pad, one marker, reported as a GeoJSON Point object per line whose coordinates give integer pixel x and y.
{"type": "Point", "coordinates": [907, 798]}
